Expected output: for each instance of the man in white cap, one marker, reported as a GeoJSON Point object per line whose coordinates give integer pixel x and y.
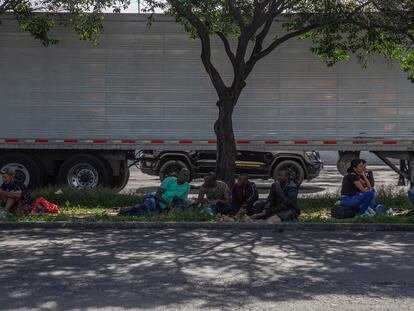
{"type": "Point", "coordinates": [14, 195]}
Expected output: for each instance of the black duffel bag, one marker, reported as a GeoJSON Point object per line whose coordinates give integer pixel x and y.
{"type": "Point", "coordinates": [342, 212]}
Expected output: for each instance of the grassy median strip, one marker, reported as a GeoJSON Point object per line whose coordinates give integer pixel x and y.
{"type": "Point", "coordinates": [102, 206]}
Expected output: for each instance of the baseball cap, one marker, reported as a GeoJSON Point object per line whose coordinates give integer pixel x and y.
{"type": "Point", "coordinates": [8, 171]}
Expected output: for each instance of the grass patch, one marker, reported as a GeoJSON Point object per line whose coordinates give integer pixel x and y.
{"type": "Point", "coordinates": [181, 216]}
{"type": "Point", "coordinates": [98, 199]}
{"type": "Point", "coordinates": [102, 205]}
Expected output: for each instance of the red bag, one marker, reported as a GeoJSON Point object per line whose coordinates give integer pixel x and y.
{"type": "Point", "coordinates": [43, 205]}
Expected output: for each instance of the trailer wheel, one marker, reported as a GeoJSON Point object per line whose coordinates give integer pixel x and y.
{"type": "Point", "coordinates": [344, 162]}
{"type": "Point", "coordinates": [121, 181]}
{"type": "Point", "coordinates": [172, 168]}
{"type": "Point", "coordinates": [297, 174]}
{"type": "Point", "coordinates": [28, 169]}
{"type": "Point", "coordinates": [84, 171]}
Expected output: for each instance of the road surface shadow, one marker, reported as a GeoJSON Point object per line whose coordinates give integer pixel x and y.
{"type": "Point", "coordinates": [67, 270]}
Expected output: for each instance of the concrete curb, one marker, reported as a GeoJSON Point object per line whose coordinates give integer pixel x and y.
{"type": "Point", "coordinates": [208, 226]}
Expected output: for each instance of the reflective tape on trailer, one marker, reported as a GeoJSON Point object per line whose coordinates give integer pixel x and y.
{"type": "Point", "coordinates": [129, 141]}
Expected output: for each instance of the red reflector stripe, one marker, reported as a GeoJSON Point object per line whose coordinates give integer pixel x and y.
{"type": "Point", "coordinates": [99, 141]}
{"type": "Point", "coordinates": [212, 142]}
{"type": "Point", "coordinates": [157, 141]}
{"type": "Point", "coordinates": [243, 142]}
{"type": "Point", "coordinates": [41, 141]}
{"type": "Point", "coordinates": [186, 142]}
{"type": "Point", "coordinates": [71, 141]}
{"type": "Point", "coordinates": [329, 142]}
{"type": "Point", "coordinates": [301, 142]}
{"type": "Point", "coordinates": [11, 140]}
{"type": "Point", "coordinates": [389, 142]}
{"type": "Point", "coordinates": [128, 141]}
{"type": "Point", "coordinates": [271, 142]}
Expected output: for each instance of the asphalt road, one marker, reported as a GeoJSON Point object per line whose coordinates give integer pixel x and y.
{"type": "Point", "coordinates": [329, 181]}
{"type": "Point", "coordinates": [205, 270]}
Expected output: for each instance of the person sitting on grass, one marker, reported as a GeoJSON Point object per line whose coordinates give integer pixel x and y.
{"type": "Point", "coordinates": [173, 192]}
{"type": "Point", "coordinates": [14, 194]}
{"type": "Point", "coordinates": [357, 192]}
{"type": "Point", "coordinates": [244, 195]}
{"type": "Point", "coordinates": [282, 202]}
{"type": "Point", "coordinates": [216, 195]}
{"type": "Point", "coordinates": [411, 200]}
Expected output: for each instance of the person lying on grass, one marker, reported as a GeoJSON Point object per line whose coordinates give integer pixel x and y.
{"type": "Point", "coordinates": [282, 202]}
{"type": "Point", "coordinates": [172, 193]}
{"type": "Point", "coordinates": [14, 195]}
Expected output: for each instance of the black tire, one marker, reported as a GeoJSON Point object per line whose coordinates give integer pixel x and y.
{"type": "Point", "coordinates": [172, 168]}
{"type": "Point", "coordinates": [297, 174]}
{"type": "Point", "coordinates": [344, 162]}
{"type": "Point", "coordinates": [85, 171]}
{"type": "Point", "coordinates": [28, 169]}
{"type": "Point", "coordinates": [121, 181]}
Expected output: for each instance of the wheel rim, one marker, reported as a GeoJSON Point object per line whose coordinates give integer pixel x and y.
{"type": "Point", "coordinates": [83, 176]}
{"type": "Point", "coordinates": [22, 173]}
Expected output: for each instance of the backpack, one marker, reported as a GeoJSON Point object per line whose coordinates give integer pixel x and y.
{"type": "Point", "coordinates": [342, 212]}
{"type": "Point", "coordinates": [43, 205]}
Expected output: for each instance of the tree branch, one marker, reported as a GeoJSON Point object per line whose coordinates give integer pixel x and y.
{"type": "Point", "coordinates": [256, 57]}
{"type": "Point", "coordinates": [227, 47]}
{"type": "Point", "coordinates": [204, 36]}
{"type": "Point", "coordinates": [234, 11]}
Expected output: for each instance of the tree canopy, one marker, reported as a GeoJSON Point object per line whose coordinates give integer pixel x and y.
{"type": "Point", "coordinates": [85, 16]}
{"type": "Point", "coordinates": [337, 29]}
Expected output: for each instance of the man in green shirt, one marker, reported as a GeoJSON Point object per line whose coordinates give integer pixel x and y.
{"type": "Point", "coordinates": [172, 192]}
{"type": "Point", "coordinates": [173, 189]}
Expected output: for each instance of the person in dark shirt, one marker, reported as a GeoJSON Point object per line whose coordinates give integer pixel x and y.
{"type": "Point", "coordinates": [357, 192]}
{"type": "Point", "coordinates": [282, 200]}
{"type": "Point", "coordinates": [244, 195]}
{"type": "Point", "coordinates": [14, 194]}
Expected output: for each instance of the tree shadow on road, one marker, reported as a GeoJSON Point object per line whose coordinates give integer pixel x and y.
{"type": "Point", "coordinates": [68, 270]}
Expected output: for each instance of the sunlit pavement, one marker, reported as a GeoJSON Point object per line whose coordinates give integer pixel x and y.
{"type": "Point", "coordinates": [205, 270]}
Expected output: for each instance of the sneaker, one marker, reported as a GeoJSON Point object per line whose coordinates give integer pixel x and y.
{"type": "Point", "coordinates": [410, 213]}
{"type": "Point", "coordinates": [366, 214]}
{"type": "Point", "coordinates": [371, 211]}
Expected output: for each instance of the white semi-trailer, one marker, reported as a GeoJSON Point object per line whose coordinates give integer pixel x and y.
{"type": "Point", "coordinates": [73, 113]}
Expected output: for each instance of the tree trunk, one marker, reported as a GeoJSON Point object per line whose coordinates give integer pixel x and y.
{"type": "Point", "coordinates": [226, 143]}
